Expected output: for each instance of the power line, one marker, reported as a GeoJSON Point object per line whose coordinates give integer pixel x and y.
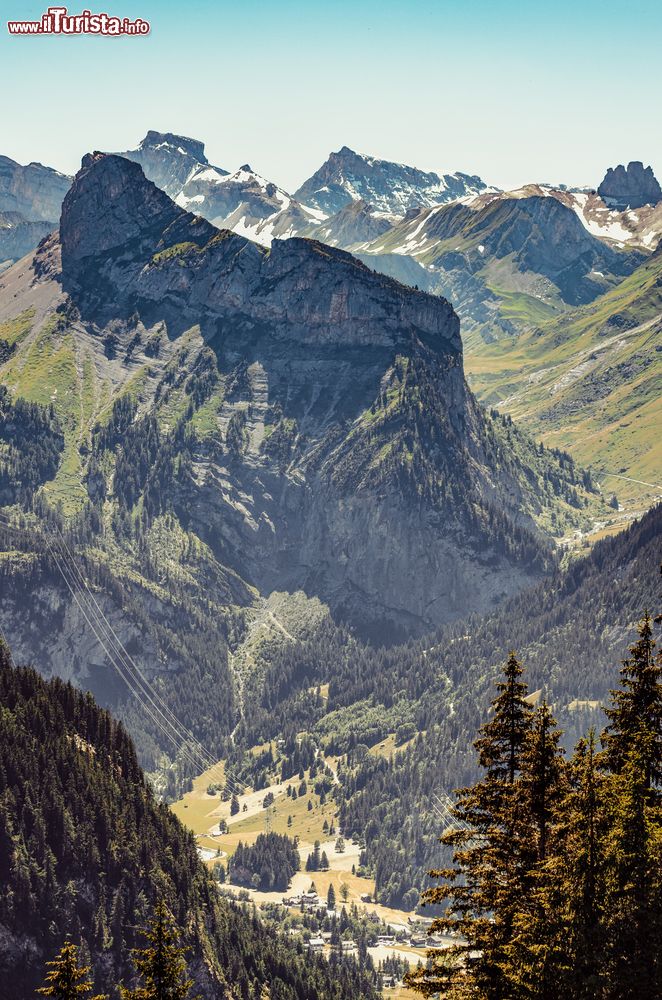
{"type": "Point", "coordinates": [160, 705]}
{"type": "Point", "coordinates": [167, 724]}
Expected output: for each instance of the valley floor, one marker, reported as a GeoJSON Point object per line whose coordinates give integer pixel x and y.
{"type": "Point", "coordinates": [202, 813]}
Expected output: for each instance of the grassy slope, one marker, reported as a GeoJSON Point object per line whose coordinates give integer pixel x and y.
{"type": "Point", "coordinates": [590, 381]}
{"type": "Point", "coordinates": [519, 300]}
{"type": "Point", "coordinates": [46, 367]}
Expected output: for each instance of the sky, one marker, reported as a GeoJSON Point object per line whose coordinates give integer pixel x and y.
{"type": "Point", "coordinates": [513, 91]}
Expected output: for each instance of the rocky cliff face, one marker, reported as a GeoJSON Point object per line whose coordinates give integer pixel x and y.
{"type": "Point", "coordinates": [33, 190]}
{"type": "Point", "coordinates": [631, 186]}
{"type": "Point", "coordinates": [30, 203]}
{"type": "Point", "coordinates": [305, 418]}
{"type": "Point", "coordinates": [355, 224]}
{"type": "Point", "coordinates": [169, 160]}
{"type": "Point", "coordinates": [120, 231]}
{"type": "Point", "coordinates": [390, 187]}
{"type": "Point", "coordinates": [18, 236]}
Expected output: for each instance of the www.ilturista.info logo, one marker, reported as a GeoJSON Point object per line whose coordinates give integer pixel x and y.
{"type": "Point", "coordinates": [57, 21]}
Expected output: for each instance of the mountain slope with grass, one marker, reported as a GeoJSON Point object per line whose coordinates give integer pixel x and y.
{"type": "Point", "coordinates": [507, 263]}
{"type": "Point", "coordinates": [590, 381]}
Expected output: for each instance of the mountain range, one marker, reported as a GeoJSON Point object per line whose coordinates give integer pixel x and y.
{"type": "Point", "coordinates": [392, 188]}
{"type": "Point", "coordinates": [328, 384]}
{"type": "Point", "coordinates": [316, 398]}
{"type": "Point", "coordinates": [282, 481]}
{"type": "Point", "coordinates": [216, 421]}
{"type": "Point", "coordinates": [507, 260]}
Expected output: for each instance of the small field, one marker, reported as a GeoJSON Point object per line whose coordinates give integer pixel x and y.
{"type": "Point", "coordinates": [202, 814]}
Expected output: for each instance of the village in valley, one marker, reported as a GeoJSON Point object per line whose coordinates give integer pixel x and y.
{"type": "Point", "coordinates": [329, 903]}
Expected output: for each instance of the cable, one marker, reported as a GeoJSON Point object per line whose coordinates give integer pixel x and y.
{"type": "Point", "coordinates": [70, 572]}
{"type": "Point", "coordinates": [170, 716]}
{"type": "Point", "coordinates": [101, 616]}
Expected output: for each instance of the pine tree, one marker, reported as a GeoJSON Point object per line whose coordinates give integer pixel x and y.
{"type": "Point", "coordinates": [331, 898]}
{"type": "Point", "coordinates": [633, 752]}
{"type": "Point", "coordinates": [541, 777]}
{"type": "Point", "coordinates": [501, 741]}
{"type": "Point", "coordinates": [575, 876]}
{"type": "Point", "coordinates": [491, 859]}
{"type": "Point", "coordinates": [66, 979]}
{"type": "Point", "coordinates": [634, 882]}
{"type": "Point", "coordinates": [637, 707]}
{"type": "Point", "coordinates": [161, 965]}
{"type": "Point", "coordinates": [530, 957]}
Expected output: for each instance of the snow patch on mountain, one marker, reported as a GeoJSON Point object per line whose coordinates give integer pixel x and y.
{"type": "Point", "coordinates": [389, 187]}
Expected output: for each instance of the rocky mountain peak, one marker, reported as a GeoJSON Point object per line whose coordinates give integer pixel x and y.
{"type": "Point", "coordinates": [390, 187]}
{"type": "Point", "coordinates": [111, 205]}
{"type": "Point", "coordinates": [192, 147]}
{"type": "Point", "coordinates": [355, 224]}
{"type": "Point", "coordinates": [33, 190]}
{"type": "Point", "coordinates": [631, 186]}
{"type": "Point", "coordinates": [126, 246]}
{"type": "Point", "coordinates": [347, 155]}
{"type": "Point", "coordinates": [343, 444]}
{"type": "Point", "coordinates": [170, 160]}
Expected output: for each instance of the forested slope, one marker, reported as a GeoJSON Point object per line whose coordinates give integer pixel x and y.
{"type": "Point", "coordinates": [570, 631]}
{"type": "Point", "coordinates": [86, 851]}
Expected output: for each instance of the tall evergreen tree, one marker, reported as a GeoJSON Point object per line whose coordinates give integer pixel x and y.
{"type": "Point", "coordinates": [541, 778]}
{"type": "Point", "coordinates": [491, 857]}
{"type": "Point", "coordinates": [636, 709]}
{"type": "Point", "coordinates": [634, 882]}
{"type": "Point", "coordinates": [66, 978]}
{"type": "Point", "coordinates": [530, 957]}
{"type": "Point", "coordinates": [501, 741]}
{"type": "Point", "coordinates": [161, 966]}
{"type": "Point", "coordinates": [575, 882]}
{"type": "Point", "coordinates": [633, 753]}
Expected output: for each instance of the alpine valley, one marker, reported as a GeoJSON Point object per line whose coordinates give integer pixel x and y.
{"type": "Point", "coordinates": [283, 480]}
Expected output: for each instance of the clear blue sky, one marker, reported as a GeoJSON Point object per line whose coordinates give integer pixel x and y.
{"type": "Point", "coordinates": [514, 91]}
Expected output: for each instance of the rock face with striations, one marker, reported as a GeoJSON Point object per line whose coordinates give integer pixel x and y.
{"type": "Point", "coordinates": [33, 190]}
{"type": "Point", "coordinates": [183, 268]}
{"type": "Point", "coordinates": [354, 224]}
{"type": "Point", "coordinates": [18, 235]}
{"type": "Point", "coordinates": [390, 187]}
{"type": "Point", "coordinates": [30, 203]}
{"type": "Point", "coordinates": [631, 186]}
{"type": "Point", "coordinates": [330, 442]}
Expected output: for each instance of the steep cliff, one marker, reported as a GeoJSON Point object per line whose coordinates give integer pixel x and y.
{"type": "Point", "coordinates": [239, 420]}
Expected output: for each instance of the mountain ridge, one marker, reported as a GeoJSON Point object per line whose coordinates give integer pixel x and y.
{"type": "Point", "coordinates": [391, 187]}
{"type": "Point", "coordinates": [236, 420]}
